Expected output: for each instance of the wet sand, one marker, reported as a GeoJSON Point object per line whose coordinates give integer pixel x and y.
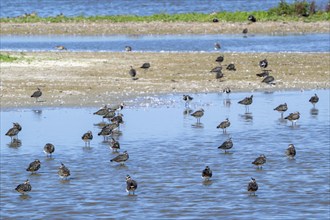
{"type": "Point", "coordinates": [106, 28]}
{"type": "Point", "coordinates": [76, 79]}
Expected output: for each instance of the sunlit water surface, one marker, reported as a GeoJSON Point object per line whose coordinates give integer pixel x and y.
{"type": "Point", "coordinates": [168, 152]}
{"type": "Point", "coordinates": [173, 43]}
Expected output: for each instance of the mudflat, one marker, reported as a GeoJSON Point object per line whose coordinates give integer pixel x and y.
{"type": "Point", "coordinates": [76, 79]}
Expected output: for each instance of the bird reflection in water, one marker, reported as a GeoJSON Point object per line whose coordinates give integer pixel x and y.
{"type": "Point", "coordinates": [247, 116]}
{"type": "Point", "coordinates": [314, 111]}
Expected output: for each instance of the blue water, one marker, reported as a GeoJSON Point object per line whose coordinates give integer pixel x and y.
{"type": "Point", "coordinates": [168, 152]}
{"type": "Point", "coordinates": [181, 43]}
{"type": "Point", "coordinates": [46, 8]}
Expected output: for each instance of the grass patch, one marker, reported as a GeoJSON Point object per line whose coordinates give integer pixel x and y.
{"type": "Point", "coordinates": [7, 58]}
{"type": "Point", "coordinates": [296, 11]}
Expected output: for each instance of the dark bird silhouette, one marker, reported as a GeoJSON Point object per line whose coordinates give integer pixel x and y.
{"type": "Point", "coordinates": [49, 149]}
{"type": "Point", "coordinates": [219, 75]}
{"type": "Point", "coordinates": [252, 186]}
{"type": "Point", "coordinates": [63, 171]}
{"type": "Point", "coordinates": [145, 66]}
{"type": "Point", "coordinates": [187, 99]}
{"type": "Point", "coordinates": [264, 73]}
{"type": "Point", "coordinates": [269, 80]}
{"type": "Point", "coordinates": [293, 117]}
{"type": "Point", "coordinates": [207, 173]}
{"type": "Point", "coordinates": [87, 137]}
{"type": "Point", "coordinates": [291, 151]}
{"type": "Point", "coordinates": [228, 144]}
{"type": "Point", "coordinates": [231, 67]}
{"type": "Point", "coordinates": [34, 166]}
{"type": "Point", "coordinates": [227, 90]}
{"type": "Point", "coordinates": [128, 48]}
{"type": "Point", "coordinates": [24, 187]}
{"type": "Point", "coordinates": [224, 125]}
{"type": "Point", "coordinates": [251, 18]}
{"type": "Point", "coordinates": [198, 114]}
{"type": "Point", "coordinates": [216, 69]}
{"type": "Point", "coordinates": [132, 72]}
{"type": "Point", "coordinates": [217, 46]}
{"type": "Point", "coordinates": [37, 94]}
{"type": "Point", "coordinates": [246, 101]}
{"type": "Point", "coordinates": [220, 59]}
{"type": "Point", "coordinates": [259, 161]}
{"type": "Point", "coordinates": [314, 99]}
{"type": "Point", "coordinates": [245, 31]}
{"type": "Point", "coordinates": [114, 145]}
{"type": "Point", "coordinates": [131, 185]}
{"type": "Point", "coordinates": [121, 158]}
{"type": "Point", "coordinates": [215, 20]}
{"type": "Point", "coordinates": [263, 63]}
{"type": "Point", "coordinates": [281, 108]}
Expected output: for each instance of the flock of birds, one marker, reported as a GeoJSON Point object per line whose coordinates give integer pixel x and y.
{"type": "Point", "coordinates": [228, 144]}
{"type": "Point", "coordinates": [116, 118]}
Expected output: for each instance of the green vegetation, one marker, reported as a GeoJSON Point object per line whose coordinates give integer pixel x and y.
{"type": "Point", "coordinates": [7, 58]}
{"type": "Point", "coordinates": [297, 11]}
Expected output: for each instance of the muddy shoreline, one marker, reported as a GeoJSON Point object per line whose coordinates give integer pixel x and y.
{"type": "Point", "coordinates": [76, 79]}
{"type": "Point", "coordinates": [146, 28]}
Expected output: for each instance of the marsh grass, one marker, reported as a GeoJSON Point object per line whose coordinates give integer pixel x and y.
{"type": "Point", "coordinates": [297, 11]}
{"type": "Point", "coordinates": [7, 58]}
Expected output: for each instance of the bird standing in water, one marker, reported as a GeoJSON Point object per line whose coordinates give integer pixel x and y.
{"type": "Point", "coordinates": [228, 144]}
{"type": "Point", "coordinates": [224, 125]}
{"type": "Point", "coordinates": [49, 149]}
{"type": "Point", "coordinates": [314, 99]}
{"type": "Point", "coordinates": [121, 158]}
{"type": "Point", "coordinates": [131, 185]}
{"type": "Point", "coordinates": [63, 171]}
{"type": "Point", "coordinates": [293, 117]}
{"type": "Point", "coordinates": [34, 166]}
{"type": "Point", "coordinates": [24, 187]}
{"type": "Point", "coordinates": [281, 108]}
{"type": "Point", "coordinates": [291, 151]}
{"type": "Point", "coordinates": [187, 99]}
{"type": "Point", "coordinates": [13, 132]}
{"type": "Point", "coordinates": [87, 137]}
{"type": "Point", "coordinates": [198, 114]}
{"type": "Point", "coordinates": [259, 161]}
{"type": "Point", "coordinates": [207, 173]}
{"type": "Point", "coordinates": [252, 186]}
{"type": "Point", "coordinates": [246, 101]}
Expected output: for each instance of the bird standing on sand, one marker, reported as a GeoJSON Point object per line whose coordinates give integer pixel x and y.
{"type": "Point", "coordinates": [231, 67]}
{"type": "Point", "coordinates": [246, 101]}
{"type": "Point", "coordinates": [207, 173]}
{"type": "Point", "coordinates": [131, 185]}
{"type": "Point", "coordinates": [132, 72]}
{"type": "Point", "coordinates": [269, 80]}
{"type": "Point", "coordinates": [259, 161]}
{"type": "Point", "coordinates": [121, 158]}
{"type": "Point", "coordinates": [87, 137]}
{"type": "Point", "coordinates": [34, 166]}
{"type": "Point", "coordinates": [24, 187]}
{"type": "Point", "coordinates": [245, 31]}
{"type": "Point", "coordinates": [263, 63]}
{"type": "Point", "coordinates": [223, 125]}
{"type": "Point", "coordinates": [228, 144]}
{"type": "Point", "coordinates": [293, 117]}
{"type": "Point", "coordinates": [314, 99]}
{"type": "Point", "coordinates": [252, 186]}
{"type": "Point", "coordinates": [37, 94]}
{"type": "Point", "coordinates": [291, 151]}
{"type": "Point", "coordinates": [49, 149]}
{"type": "Point", "coordinates": [63, 171]}
{"type": "Point", "coordinates": [220, 59]}
{"type": "Point", "coordinates": [281, 108]}
{"type": "Point", "coordinates": [145, 66]}
{"type": "Point", "coordinates": [198, 114]}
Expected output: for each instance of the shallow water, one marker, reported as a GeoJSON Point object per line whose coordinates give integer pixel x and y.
{"type": "Point", "coordinates": [176, 43]}
{"type": "Point", "coordinates": [45, 8]}
{"type": "Point", "coordinates": [168, 151]}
